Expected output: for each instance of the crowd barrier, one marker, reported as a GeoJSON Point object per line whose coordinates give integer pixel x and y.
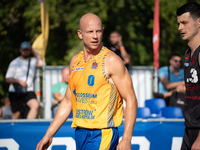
{"type": "Point", "coordinates": [150, 134]}
{"type": "Point", "coordinates": [144, 81]}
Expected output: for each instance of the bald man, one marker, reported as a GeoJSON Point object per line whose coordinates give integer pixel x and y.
{"type": "Point", "coordinates": [58, 90]}
{"type": "Point", "coordinates": [95, 92]}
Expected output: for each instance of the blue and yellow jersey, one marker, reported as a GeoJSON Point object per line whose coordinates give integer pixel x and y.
{"type": "Point", "coordinates": [96, 102]}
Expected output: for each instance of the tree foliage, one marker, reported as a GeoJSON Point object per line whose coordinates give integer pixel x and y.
{"type": "Point", "coordinates": [20, 20]}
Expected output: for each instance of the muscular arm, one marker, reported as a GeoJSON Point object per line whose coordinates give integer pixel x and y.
{"type": "Point", "coordinates": [196, 144]}
{"type": "Point", "coordinates": [61, 116]}
{"type": "Point", "coordinates": [119, 75]}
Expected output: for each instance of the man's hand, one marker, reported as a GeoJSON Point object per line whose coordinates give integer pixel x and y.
{"type": "Point", "coordinates": [124, 145]}
{"type": "Point", "coordinates": [44, 144]}
{"type": "Point", "coordinates": [196, 144]}
{"type": "Point", "coordinates": [55, 102]}
{"type": "Point", "coordinates": [22, 83]}
{"type": "Point", "coordinates": [120, 43]}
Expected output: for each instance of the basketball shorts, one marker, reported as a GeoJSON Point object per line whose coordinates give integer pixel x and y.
{"type": "Point", "coordinates": [190, 135]}
{"type": "Point", "coordinates": [96, 139]}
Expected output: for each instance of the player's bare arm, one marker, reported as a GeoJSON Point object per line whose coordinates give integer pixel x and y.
{"type": "Point", "coordinates": [196, 144]}
{"type": "Point", "coordinates": [118, 74]}
{"type": "Point", "coordinates": [61, 116]}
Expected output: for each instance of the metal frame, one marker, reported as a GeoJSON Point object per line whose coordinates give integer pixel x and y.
{"type": "Point", "coordinates": [145, 82]}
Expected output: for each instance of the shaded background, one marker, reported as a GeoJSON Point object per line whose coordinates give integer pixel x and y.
{"type": "Point", "coordinates": [20, 20]}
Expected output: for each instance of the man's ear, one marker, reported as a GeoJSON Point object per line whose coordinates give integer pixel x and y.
{"type": "Point", "coordinates": [170, 61]}
{"type": "Point", "coordinates": [80, 34]}
{"type": "Point", "coordinates": [102, 29]}
{"type": "Point", "coordinates": [198, 22]}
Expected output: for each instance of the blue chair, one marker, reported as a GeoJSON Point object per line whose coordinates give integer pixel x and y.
{"type": "Point", "coordinates": [155, 105]}
{"type": "Point", "coordinates": [143, 112]}
{"type": "Point", "coordinates": [172, 112]}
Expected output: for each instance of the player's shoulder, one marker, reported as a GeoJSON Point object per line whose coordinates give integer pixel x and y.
{"type": "Point", "coordinates": [113, 62]}
{"type": "Point", "coordinates": [110, 57]}
{"type": "Point", "coordinates": [110, 54]}
{"type": "Point", "coordinates": [73, 59]}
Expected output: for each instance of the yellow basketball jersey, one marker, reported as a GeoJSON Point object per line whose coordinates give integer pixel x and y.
{"type": "Point", "coordinates": [96, 102]}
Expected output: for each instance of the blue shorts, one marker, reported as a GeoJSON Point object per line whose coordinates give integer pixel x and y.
{"type": "Point", "coordinates": [96, 139]}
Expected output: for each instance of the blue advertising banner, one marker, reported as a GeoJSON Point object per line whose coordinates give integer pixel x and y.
{"type": "Point", "coordinates": [147, 135]}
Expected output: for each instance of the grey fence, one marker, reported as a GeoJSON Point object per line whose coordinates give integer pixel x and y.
{"type": "Point", "coordinates": [144, 81]}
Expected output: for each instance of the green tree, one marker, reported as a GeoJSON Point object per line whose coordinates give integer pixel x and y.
{"type": "Point", "coordinates": [20, 20]}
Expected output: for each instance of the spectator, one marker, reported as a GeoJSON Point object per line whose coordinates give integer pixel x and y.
{"type": "Point", "coordinates": [58, 90]}
{"type": "Point", "coordinates": [95, 92]}
{"type": "Point", "coordinates": [188, 19]}
{"type": "Point", "coordinates": [171, 78]}
{"type": "Point", "coordinates": [117, 46]}
{"type": "Point", "coordinates": [21, 72]}
{"type": "Point", "coordinates": [5, 110]}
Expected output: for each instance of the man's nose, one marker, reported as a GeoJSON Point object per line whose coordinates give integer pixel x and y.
{"type": "Point", "coordinates": [180, 27]}
{"type": "Point", "coordinates": [95, 34]}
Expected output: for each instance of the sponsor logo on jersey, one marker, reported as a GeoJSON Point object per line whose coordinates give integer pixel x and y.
{"type": "Point", "coordinates": [87, 98]}
{"type": "Point", "coordinates": [191, 87]}
{"type": "Point", "coordinates": [84, 114]}
{"type": "Point", "coordinates": [192, 97]}
{"type": "Point", "coordinates": [193, 59]}
{"type": "Point", "coordinates": [94, 65]}
{"type": "Point", "coordinates": [78, 68]}
{"type": "Point", "coordinates": [186, 64]}
{"type": "Point", "coordinates": [187, 57]}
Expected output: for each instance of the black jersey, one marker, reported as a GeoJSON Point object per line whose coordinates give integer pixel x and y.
{"type": "Point", "coordinates": [192, 83]}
